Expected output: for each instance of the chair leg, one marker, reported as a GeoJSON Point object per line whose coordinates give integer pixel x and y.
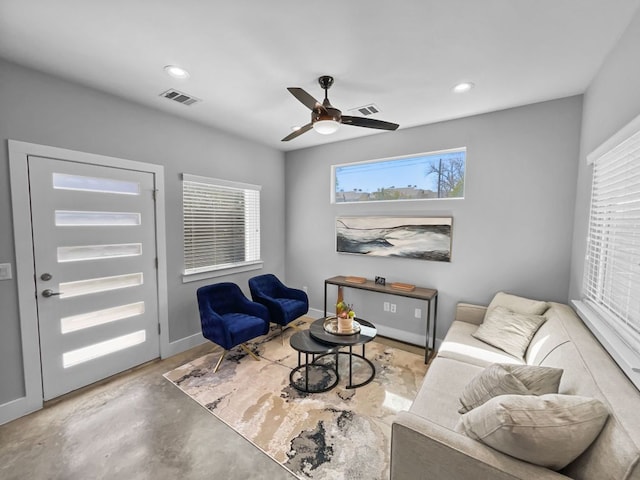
{"type": "Point", "coordinates": [246, 349]}
{"type": "Point", "coordinates": [224, 352]}
{"type": "Point", "coordinates": [295, 327]}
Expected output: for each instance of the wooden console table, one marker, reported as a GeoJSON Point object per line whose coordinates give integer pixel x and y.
{"type": "Point", "coordinates": [426, 294]}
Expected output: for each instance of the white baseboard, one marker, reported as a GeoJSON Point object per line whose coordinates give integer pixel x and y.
{"type": "Point", "coordinates": [314, 313]}
{"type": "Point", "coordinates": [15, 409]}
{"type": "Point", "coordinates": [184, 344]}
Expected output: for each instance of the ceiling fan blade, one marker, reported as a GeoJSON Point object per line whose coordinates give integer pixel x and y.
{"type": "Point", "coordinates": [298, 132]}
{"type": "Point", "coordinates": [368, 123]}
{"type": "Point", "coordinates": [306, 99]}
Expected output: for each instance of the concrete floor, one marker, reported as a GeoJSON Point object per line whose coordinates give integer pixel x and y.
{"type": "Point", "coordinates": [135, 425]}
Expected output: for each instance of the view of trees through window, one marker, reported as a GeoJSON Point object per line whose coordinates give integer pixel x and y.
{"type": "Point", "coordinates": [417, 177]}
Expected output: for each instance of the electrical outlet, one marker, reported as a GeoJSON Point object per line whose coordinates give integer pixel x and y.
{"type": "Point", "coordinates": [385, 306]}
{"type": "Point", "coordinates": [393, 308]}
{"type": "Point", "coordinates": [418, 313]}
{"type": "Point", "coordinates": [5, 271]}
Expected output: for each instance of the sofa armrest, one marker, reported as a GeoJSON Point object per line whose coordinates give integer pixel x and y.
{"type": "Point", "coordinates": [421, 449]}
{"type": "Point", "coordinates": [470, 313]}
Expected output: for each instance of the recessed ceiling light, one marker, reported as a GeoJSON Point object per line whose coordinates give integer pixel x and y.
{"type": "Point", "coordinates": [463, 87]}
{"type": "Point", "coordinates": [176, 72]}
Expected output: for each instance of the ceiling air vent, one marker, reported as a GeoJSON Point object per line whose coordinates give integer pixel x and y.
{"type": "Point", "coordinates": [179, 97]}
{"type": "Point", "coordinates": [366, 110]}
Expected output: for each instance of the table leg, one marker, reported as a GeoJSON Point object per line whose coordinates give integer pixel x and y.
{"type": "Point", "coordinates": [430, 343]}
{"type": "Point", "coordinates": [426, 343]}
{"type": "Point", "coordinates": [325, 299]}
{"type": "Point", "coordinates": [306, 372]}
{"type": "Point", "coordinates": [435, 324]}
{"type": "Point", "coordinates": [350, 365]}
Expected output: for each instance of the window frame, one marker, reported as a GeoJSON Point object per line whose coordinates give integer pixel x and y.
{"type": "Point", "coordinates": [212, 271]}
{"type": "Point", "coordinates": [617, 338]}
{"type": "Point", "coordinates": [399, 159]}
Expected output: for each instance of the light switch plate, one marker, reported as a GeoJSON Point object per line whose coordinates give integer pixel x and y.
{"type": "Point", "coordinates": [5, 271]}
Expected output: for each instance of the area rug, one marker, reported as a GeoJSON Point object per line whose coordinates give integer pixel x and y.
{"type": "Point", "coordinates": [342, 433]}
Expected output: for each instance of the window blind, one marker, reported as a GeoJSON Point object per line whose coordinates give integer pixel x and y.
{"type": "Point", "coordinates": [612, 269]}
{"type": "Point", "coordinates": [221, 224]}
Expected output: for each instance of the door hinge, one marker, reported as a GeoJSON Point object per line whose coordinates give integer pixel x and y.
{"type": "Point", "coordinates": [156, 262]}
{"type": "Point", "coordinates": [159, 329]}
{"type": "Point", "coordinates": [154, 193]}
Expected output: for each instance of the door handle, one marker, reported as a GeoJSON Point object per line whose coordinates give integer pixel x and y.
{"type": "Point", "coordinates": [50, 293]}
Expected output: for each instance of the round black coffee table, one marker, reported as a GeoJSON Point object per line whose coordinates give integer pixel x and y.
{"type": "Point", "coordinates": [367, 333]}
{"type": "Point", "coordinates": [303, 343]}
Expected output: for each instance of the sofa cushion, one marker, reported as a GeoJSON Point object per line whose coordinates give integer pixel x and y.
{"type": "Point", "coordinates": [549, 430]}
{"type": "Point", "coordinates": [507, 379]}
{"type": "Point", "coordinates": [549, 336]}
{"type": "Point", "coordinates": [508, 330]}
{"type": "Point", "coordinates": [459, 345]}
{"type": "Point", "coordinates": [517, 304]}
{"type": "Point", "coordinates": [589, 371]}
{"type": "Point", "coordinates": [437, 399]}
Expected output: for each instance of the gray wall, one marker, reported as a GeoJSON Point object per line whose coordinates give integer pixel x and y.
{"type": "Point", "coordinates": [512, 231]}
{"type": "Point", "coordinates": [42, 109]}
{"type": "Point", "coordinates": [611, 101]}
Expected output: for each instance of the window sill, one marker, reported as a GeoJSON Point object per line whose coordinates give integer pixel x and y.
{"type": "Point", "coordinates": [626, 358]}
{"type": "Point", "coordinates": [195, 277]}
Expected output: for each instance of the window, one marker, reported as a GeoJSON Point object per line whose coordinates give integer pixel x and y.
{"type": "Point", "coordinates": [611, 287]}
{"type": "Point", "coordinates": [416, 177]}
{"type": "Point", "coordinates": [221, 226]}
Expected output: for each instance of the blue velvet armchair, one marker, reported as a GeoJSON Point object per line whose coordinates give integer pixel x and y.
{"type": "Point", "coordinates": [229, 319]}
{"type": "Point", "coordinates": [284, 304]}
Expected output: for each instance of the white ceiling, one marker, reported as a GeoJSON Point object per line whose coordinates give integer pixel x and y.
{"type": "Point", "coordinates": [404, 55]}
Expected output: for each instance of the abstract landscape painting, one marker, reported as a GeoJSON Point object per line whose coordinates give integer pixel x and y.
{"type": "Point", "coordinates": [421, 238]}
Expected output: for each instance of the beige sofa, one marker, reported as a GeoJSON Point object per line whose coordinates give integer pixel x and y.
{"type": "Point", "coordinates": [426, 444]}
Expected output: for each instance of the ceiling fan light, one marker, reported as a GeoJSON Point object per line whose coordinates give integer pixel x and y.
{"type": "Point", "coordinates": [326, 127]}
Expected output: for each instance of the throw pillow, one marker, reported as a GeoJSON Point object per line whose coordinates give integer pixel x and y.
{"type": "Point", "coordinates": [549, 430]}
{"type": "Point", "coordinates": [538, 380]}
{"type": "Point", "coordinates": [493, 381]}
{"type": "Point", "coordinates": [517, 304]}
{"type": "Point", "coordinates": [506, 379]}
{"type": "Point", "coordinates": [509, 331]}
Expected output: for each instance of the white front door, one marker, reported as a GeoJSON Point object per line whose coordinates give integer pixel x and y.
{"type": "Point", "coordinates": [96, 270]}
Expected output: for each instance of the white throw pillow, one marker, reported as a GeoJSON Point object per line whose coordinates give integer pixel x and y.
{"type": "Point", "coordinates": [549, 430]}
{"type": "Point", "coordinates": [506, 379]}
{"type": "Point", "coordinates": [509, 331]}
{"type": "Point", "coordinates": [517, 304]}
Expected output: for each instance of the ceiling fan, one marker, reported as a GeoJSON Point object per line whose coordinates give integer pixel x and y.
{"type": "Point", "coordinates": [325, 118]}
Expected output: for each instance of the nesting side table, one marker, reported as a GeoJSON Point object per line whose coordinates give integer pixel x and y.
{"type": "Point", "coordinates": [302, 342]}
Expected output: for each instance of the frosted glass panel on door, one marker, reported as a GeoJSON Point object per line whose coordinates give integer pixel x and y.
{"type": "Point", "coordinates": [70, 218]}
{"type": "Point", "coordinates": [81, 355]}
{"type": "Point", "coordinates": [100, 317]}
{"type": "Point", "coordinates": [64, 181]}
{"type": "Point", "coordinates": [97, 285]}
{"type": "Point", "coordinates": [97, 252]}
